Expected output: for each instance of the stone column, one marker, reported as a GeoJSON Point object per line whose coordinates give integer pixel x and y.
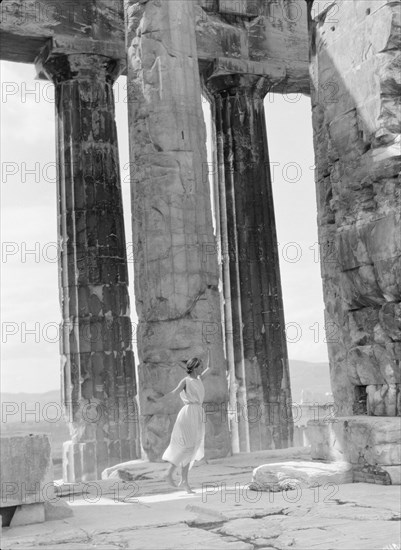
{"type": "Point", "coordinates": [257, 306]}
{"type": "Point", "coordinates": [176, 273]}
{"type": "Point", "coordinates": [98, 371]}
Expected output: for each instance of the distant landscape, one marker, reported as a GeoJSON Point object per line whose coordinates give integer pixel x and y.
{"type": "Point", "coordinates": [312, 378]}
{"type": "Point", "coordinates": [43, 412]}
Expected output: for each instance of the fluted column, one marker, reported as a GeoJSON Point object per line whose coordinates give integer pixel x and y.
{"type": "Point", "coordinates": [260, 350]}
{"type": "Point", "coordinates": [98, 370]}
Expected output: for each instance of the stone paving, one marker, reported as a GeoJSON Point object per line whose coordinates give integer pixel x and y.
{"type": "Point", "coordinates": [145, 514]}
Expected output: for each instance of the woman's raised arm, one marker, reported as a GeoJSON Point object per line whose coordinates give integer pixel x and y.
{"type": "Point", "coordinates": [207, 369]}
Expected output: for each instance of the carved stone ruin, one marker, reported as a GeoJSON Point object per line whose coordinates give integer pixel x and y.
{"type": "Point", "coordinates": [195, 288]}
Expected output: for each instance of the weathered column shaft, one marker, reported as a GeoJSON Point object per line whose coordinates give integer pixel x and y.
{"type": "Point", "coordinates": [231, 290]}
{"type": "Point", "coordinates": [98, 382]}
{"type": "Point", "coordinates": [257, 307]}
{"type": "Point", "coordinates": [176, 273]}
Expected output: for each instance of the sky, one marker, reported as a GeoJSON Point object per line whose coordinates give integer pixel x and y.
{"type": "Point", "coordinates": [30, 309]}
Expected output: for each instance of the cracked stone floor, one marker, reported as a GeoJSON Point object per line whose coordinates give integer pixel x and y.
{"type": "Point", "coordinates": [145, 514]}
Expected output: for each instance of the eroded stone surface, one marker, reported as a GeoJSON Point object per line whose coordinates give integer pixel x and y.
{"type": "Point", "coordinates": [26, 473]}
{"type": "Point", "coordinates": [256, 530]}
{"type": "Point", "coordinates": [356, 119]}
{"type": "Point", "coordinates": [290, 475]}
{"type": "Point", "coordinates": [347, 516]}
{"type": "Point", "coordinates": [359, 440]}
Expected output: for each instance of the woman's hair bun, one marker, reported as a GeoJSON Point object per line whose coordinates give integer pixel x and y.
{"type": "Point", "coordinates": [192, 364]}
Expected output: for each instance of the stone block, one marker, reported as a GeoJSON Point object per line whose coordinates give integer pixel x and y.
{"type": "Point", "coordinates": [389, 277]}
{"type": "Point", "coordinates": [382, 400]}
{"type": "Point", "coordinates": [362, 366]}
{"type": "Point", "coordinates": [309, 474]}
{"type": "Point", "coordinates": [26, 475]}
{"type": "Point", "coordinates": [27, 514]}
{"type": "Point", "coordinates": [373, 365]}
{"type": "Point", "coordinates": [390, 320]}
{"type": "Point", "coordinates": [359, 440]}
{"type": "Point", "coordinates": [130, 471]}
{"type": "Point", "coordinates": [352, 251]}
{"type": "Point", "coordinates": [362, 324]}
{"type": "Point", "coordinates": [383, 238]}
{"type": "Point", "coordinates": [360, 287]}
{"type": "Point", "coordinates": [395, 474]}
{"type": "Point", "coordinates": [343, 391]}
{"type": "Point", "coordinates": [371, 474]}
{"type": "Point", "coordinates": [59, 509]}
{"type": "Point", "coordinates": [344, 131]}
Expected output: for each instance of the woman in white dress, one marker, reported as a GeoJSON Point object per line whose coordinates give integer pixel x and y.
{"type": "Point", "coordinates": [187, 438]}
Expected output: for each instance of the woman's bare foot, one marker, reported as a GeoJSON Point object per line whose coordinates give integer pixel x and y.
{"type": "Point", "coordinates": [187, 487]}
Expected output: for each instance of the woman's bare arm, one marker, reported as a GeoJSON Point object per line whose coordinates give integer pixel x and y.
{"type": "Point", "coordinates": [207, 369]}
{"type": "Point", "coordinates": [178, 389]}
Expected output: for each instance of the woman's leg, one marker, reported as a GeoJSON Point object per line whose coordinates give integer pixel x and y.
{"type": "Point", "coordinates": [184, 478]}
{"type": "Point", "coordinates": [184, 474]}
{"type": "Point", "coordinates": [169, 475]}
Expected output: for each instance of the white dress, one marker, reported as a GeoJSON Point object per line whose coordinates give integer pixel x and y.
{"type": "Point", "coordinates": [188, 435]}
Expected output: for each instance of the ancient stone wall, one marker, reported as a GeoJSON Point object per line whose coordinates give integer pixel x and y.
{"type": "Point", "coordinates": [356, 90]}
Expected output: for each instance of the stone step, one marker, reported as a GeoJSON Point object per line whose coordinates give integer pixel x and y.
{"type": "Point", "coordinates": [367, 442]}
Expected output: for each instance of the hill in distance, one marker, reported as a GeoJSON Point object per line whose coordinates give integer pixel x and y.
{"type": "Point", "coordinates": [312, 378]}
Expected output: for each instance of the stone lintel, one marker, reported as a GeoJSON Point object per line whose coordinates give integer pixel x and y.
{"type": "Point", "coordinates": [98, 27]}
{"type": "Point", "coordinates": [26, 25]}
{"type": "Point", "coordinates": [20, 49]}
{"type": "Point", "coordinates": [61, 44]}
